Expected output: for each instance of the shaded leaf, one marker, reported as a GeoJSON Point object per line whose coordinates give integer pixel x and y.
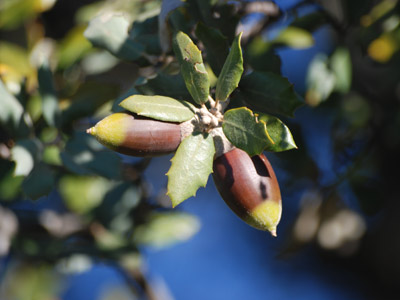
{"type": "Point", "coordinates": [261, 56]}
{"type": "Point", "coordinates": [191, 166]}
{"type": "Point", "coordinates": [165, 84]}
{"type": "Point", "coordinates": [39, 183]}
{"type": "Point", "coordinates": [310, 22]}
{"type": "Point", "coordinates": [279, 133]}
{"type": "Point", "coordinates": [245, 131]}
{"type": "Point", "coordinates": [231, 72]}
{"type": "Point", "coordinates": [110, 32]}
{"type": "Point", "coordinates": [167, 6]}
{"type": "Point", "coordinates": [10, 185]}
{"type": "Point", "coordinates": [216, 46]}
{"type": "Point", "coordinates": [51, 110]}
{"type": "Point", "coordinates": [192, 68]}
{"type": "Point", "coordinates": [166, 229]}
{"type": "Point", "coordinates": [270, 93]}
{"type": "Point", "coordinates": [159, 108]}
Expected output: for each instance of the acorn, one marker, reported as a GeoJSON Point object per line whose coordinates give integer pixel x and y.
{"type": "Point", "coordinates": [128, 134]}
{"type": "Point", "coordinates": [249, 187]}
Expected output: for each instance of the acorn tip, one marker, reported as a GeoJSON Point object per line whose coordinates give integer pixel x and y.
{"type": "Point", "coordinates": [273, 233]}
{"type": "Point", "coordinates": [90, 130]}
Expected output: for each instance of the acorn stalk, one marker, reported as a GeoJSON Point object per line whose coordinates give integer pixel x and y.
{"type": "Point", "coordinates": [128, 134]}
{"type": "Point", "coordinates": [249, 187]}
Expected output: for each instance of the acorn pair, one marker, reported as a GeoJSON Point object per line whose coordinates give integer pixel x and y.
{"type": "Point", "coordinates": [247, 184]}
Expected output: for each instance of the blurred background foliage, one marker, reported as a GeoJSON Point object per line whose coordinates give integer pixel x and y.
{"type": "Point", "coordinates": [66, 202]}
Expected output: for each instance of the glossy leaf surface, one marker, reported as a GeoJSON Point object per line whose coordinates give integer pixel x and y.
{"type": "Point", "coordinates": [245, 131]}
{"type": "Point", "coordinates": [191, 166]}
{"type": "Point", "coordinates": [159, 108]}
{"type": "Point", "coordinates": [193, 70]}
{"type": "Point", "coordinates": [270, 93]}
{"type": "Point", "coordinates": [231, 72]}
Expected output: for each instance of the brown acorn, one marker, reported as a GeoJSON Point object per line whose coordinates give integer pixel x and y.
{"type": "Point", "coordinates": [250, 188]}
{"type": "Point", "coordinates": [127, 134]}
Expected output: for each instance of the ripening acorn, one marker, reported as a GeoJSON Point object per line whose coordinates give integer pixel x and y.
{"type": "Point", "coordinates": [250, 188]}
{"type": "Point", "coordinates": [125, 133]}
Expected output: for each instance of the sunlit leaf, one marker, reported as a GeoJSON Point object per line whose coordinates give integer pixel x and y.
{"type": "Point", "coordinates": [192, 68]}
{"type": "Point", "coordinates": [159, 108]}
{"type": "Point", "coordinates": [25, 153]}
{"type": "Point", "coordinates": [270, 93]}
{"type": "Point", "coordinates": [110, 32]}
{"type": "Point", "coordinates": [320, 80]}
{"type": "Point", "coordinates": [279, 133]}
{"type": "Point", "coordinates": [245, 131]}
{"type": "Point", "coordinates": [341, 67]}
{"type": "Point", "coordinates": [296, 38]}
{"type": "Point", "coordinates": [231, 72]}
{"type": "Point", "coordinates": [166, 229]}
{"type": "Point", "coordinates": [11, 109]}
{"type": "Point", "coordinates": [83, 193]}
{"type": "Point", "coordinates": [191, 167]}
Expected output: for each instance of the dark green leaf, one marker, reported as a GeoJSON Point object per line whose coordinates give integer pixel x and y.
{"type": "Point", "coordinates": [165, 84]}
{"type": "Point", "coordinates": [231, 72]}
{"type": "Point", "coordinates": [261, 56]}
{"type": "Point", "coordinates": [192, 68]}
{"type": "Point", "coordinates": [245, 131]}
{"type": "Point", "coordinates": [167, 6]}
{"type": "Point", "coordinates": [51, 110]}
{"type": "Point", "coordinates": [216, 46]}
{"type": "Point", "coordinates": [270, 93]}
{"type": "Point", "coordinates": [39, 183]}
{"type": "Point", "coordinates": [279, 133]}
{"type": "Point", "coordinates": [10, 185]}
{"type": "Point", "coordinates": [159, 108]}
{"type": "Point", "coordinates": [110, 32]}
{"type": "Point", "coordinates": [191, 166]}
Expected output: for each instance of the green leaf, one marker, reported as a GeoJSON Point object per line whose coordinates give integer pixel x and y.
{"type": "Point", "coordinates": [51, 110]}
{"type": "Point", "coordinates": [83, 193]}
{"type": "Point", "coordinates": [216, 46]}
{"type": "Point", "coordinates": [232, 71]}
{"type": "Point", "coordinates": [25, 153]}
{"type": "Point", "coordinates": [167, 6]}
{"type": "Point", "coordinates": [166, 229]}
{"type": "Point", "coordinates": [296, 38]}
{"type": "Point", "coordinates": [320, 80]}
{"type": "Point", "coordinates": [341, 67]}
{"type": "Point", "coordinates": [270, 93]}
{"type": "Point", "coordinates": [39, 183]}
{"type": "Point", "coordinates": [261, 56]}
{"type": "Point", "coordinates": [11, 110]}
{"type": "Point", "coordinates": [159, 108]}
{"type": "Point", "coordinates": [192, 68]}
{"type": "Point", "coordinates": [279, 133]}
{"type": "Point", "coordinates": [191, 166]}
{"type": "Point", "coordinates": [245, 131]}
{"type": "Point", "coordinates": [110, 32]}
{"type": "Point", "coordinates": [165, 84]}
